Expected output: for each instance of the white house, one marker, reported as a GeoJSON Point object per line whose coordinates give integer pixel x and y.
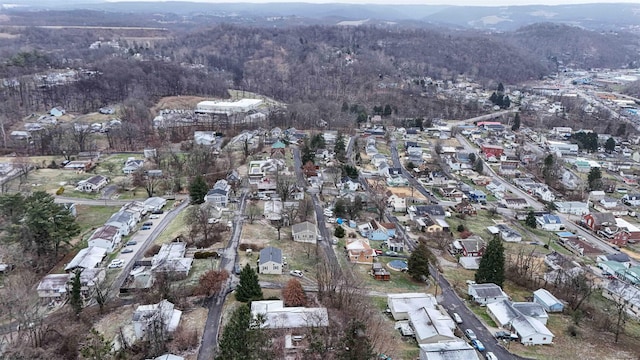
{"type": "Point", "coordinates": [277, 316]}
{"type": "Point", "coordinates": [549, 302]}
{"type": "Point", "coordinates": [448, 350]}
{"type": "Point", "coordinates": [401, 304]}
{"type": "Point", "coordinates": [155, 203]}
{"type": "Point", "coordinates": [171, 259]}
{"type": "Point", "coordinates": [397, 203]}
{"type": "Point", "coordinates": [572, 207]}
{"type": "Point", "coordinates": [107, 237]}
{"type": "Point", "coordinates": [87, 258]}
{"type": "Point", "coordinates": [550, 222]}
{"type": "Point", "coordinates": [92, 184]}
{"type": "Point", "coordinates": [304, 232]}
{"type": "Point", "coordinates": [146, 318]}
{"type": "Point", "coordinates": [123, 220]}
{"type": "Point", "coordinates": [132, 165]}
{"type": "Point", "coordinates": [430, 325]}
{"type": "Point", "coordinates": [484, 294]}
{"type": "Point", "coordinates": [270, 261]}
{"type": "Point", "coordinates": [531, 331]}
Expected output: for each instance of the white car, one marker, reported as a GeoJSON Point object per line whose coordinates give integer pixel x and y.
{"type": "Point", "coordinates": [491, 356]}
{"type": "Point", "coordinates": [154, 217]}
{"type": "Point", "coordinates": [297, 273]}
{"type": "Point", "coordinates": [116, 263]}
{"type": "Point", "coordinates": [457, 318]}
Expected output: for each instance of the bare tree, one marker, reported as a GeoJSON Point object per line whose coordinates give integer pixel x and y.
{"type": "Point", "coordinates": [253, 211]}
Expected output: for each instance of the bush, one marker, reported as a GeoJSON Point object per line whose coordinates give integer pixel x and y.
{"type": "Point", "coordinates": [60, 190]}
{"type": "Point", "coordinates": [572, 330]}
{"type": "Point", "coordinates": [460, 228]}
{"type": "Point", "coordinates": [153, 250]}
{"type": "Point", "coordinates": [339, 232]}
{"type": "Point", "coordinates": [205, 255]}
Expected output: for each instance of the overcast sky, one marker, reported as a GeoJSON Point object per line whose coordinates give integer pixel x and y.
{"type": "Point", "coordinates": [421, 2]}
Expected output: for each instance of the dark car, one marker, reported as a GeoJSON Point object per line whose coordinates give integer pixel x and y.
{"type": "Point", "coordinates": [157, 212]}
{"type": "Point", "coordinates": [131, 242]}
{"type": "Point", "coordinates": [148, 223]}
{"type": "Point", "coordinates": [126, 251]}
{"type": "Point", "coordinates": [505, 335]}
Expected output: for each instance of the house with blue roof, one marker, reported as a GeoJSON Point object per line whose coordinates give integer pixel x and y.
{"type": "Point", "coordinates": [477, 196]}
{"type": "Point", "coordinates": [550, 222]}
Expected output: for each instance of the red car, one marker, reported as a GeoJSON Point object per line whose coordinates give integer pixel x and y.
{"type": "Point", "coordinates": [378, 252]}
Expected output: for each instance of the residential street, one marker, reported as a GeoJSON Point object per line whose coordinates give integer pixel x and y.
{"type": "Point", "coordinates": [209, 344]}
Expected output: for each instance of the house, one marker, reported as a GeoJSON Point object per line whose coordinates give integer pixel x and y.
{"type": "Point", "coordinates": [502, 313]}
{"type": "Point", "coordinates": [132, 165]}
{"type": "Point", "coordinates": [401, 304]}
{"type": "Point", "coordinates": [348, 185]}
{"type": "Point", "coordinates": [377, 232]}
{"type": "Point", "coordinates": [378, 159]}
{"type": "Point", "coordinates": [631, 199]}
{"type": "Point", "coordinates": [431, 326]}
{"type": "Point", "coordinates": [531, 331]}
{"type": "Point", "coordinates": [427, 224]}
{"type": "Point", "coordinates": [92, 184]}
{"type": "Point", "coordinates": [136, 209]}
{"type": "Point", "coordinates": [397, 180]}
{"type": "Point", "coordinates": [154, 203]}
{"type": "Point", "coordinates": [273, 210]}
{"type": "Point", "coordinates": [550, 222]}
{"type": "Point", "coordinates": [53, 287]}
{"type": "Point", "coordinates": [171, 259]}
{"type": "Point", "coordinates": [619, 292]}
{"type": "Point", "coordinates": [597, 220]}
{"type": "Point", "coordinates": [107, 237]}
{"type": "Point", "coordinates": [464, 207]}
{"type": "Point", "coordinates": [469, 262]}
{"type": "Point", "coordinates": [449, 350]}
{"type": "Point", "coordinates": [87, 258]}
{"type": "Point", "coordinates": [477, 196]}
{"type": "Point", "coordinates": [620, 258]}
{"type": "Point", "coordinates": [533, 310]}
{"type": "Point", "coordinates": [572, 207]}
{"type": "Point", "coordinates": [472, 246]}
{"type": "Point", "coordinates": [270, 261]}
{"type": "Point", "coordinates": [608, 202]}
{"type": "Point", "coordinates": [278, 149]}
{"type": "Point", "coordinates": [433, 211]}
{"type": "Point", "coordinates": [219, 194]}
{"type": "Point", "coordinates": [123, 220]}
{"type": "Point", "coordinates": [153, 317]}
{"type": "Point", "coordinates": [79, 165]}
{"type": "Point", "coordinates": [304, 232]}
{"type": "Point", "coordinates": [90, 279]}
{"type": "Point", "coordinates": [491, 150]}
{"type": "Point", "coordinates": [452, 193]}
{"type": "Point", "coordinates": [515, 203]}
{"type": "Point", "coordinates": [397, 203]}
{"type": "Point", "coordinates": [278, 316]}
{"type": "Point", "coordinates": [379, 272]}
{"type": "Point", "coordinates": [495, 186]}
{"type": "Point", "coordinates": [360, 252]}
{"type": "Point", "coordinates": [484, 294]}
{"type": "Point", "coordinates": [549, 302]}
{"type": "Point", "coordinates": [57, 111]}
{"type": "Point", "coordinates": [508, 234]}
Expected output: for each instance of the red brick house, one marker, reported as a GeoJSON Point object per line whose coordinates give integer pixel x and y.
{"type": "Point", "coordinates": [595, 221]}
{"type": "Point", "coordinates": [492, 150]}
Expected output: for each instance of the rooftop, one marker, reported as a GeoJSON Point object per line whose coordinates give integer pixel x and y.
{"type": "Point", "coordinates": [277, 316]}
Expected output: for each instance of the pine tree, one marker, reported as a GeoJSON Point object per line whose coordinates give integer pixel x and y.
{"type": "Point", "coordinates": [491, 268]}
{"type": "Point", "coordinates": [530, 221]}
{"type": "Point", "coordinates": [76, 297]}
{"type": "Point", "coordinates": [516, 123]}
{"type": "Point", "coordinates": [595, 179]}
{"type": "Point", "coordinates": [198, 189]}
{"type": "Point", "coordinates": [242, 338]}
{"type": "Point", "coordinates": [419, 262]}
{"type": "Point", "coordinates": [610, 145]}
{"type": "Point", "coordinates": [340, 148]}
{"type": "Point", "coordinates": [248, 288]}
{"type": "Point", "coordinates": [478, 167]}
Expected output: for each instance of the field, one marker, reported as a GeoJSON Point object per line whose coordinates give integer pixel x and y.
{"type": "Point", "coordinates": [92, 217]}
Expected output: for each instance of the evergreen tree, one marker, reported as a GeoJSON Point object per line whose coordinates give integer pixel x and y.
{"type": "Point", "coordinates": [355, 343]}
{"type": "Point", "coordinates": [243, 339]}
{"type": "Point", "coordinates": [308, 155]}
{"type": "Point", "coordinates": [339, 232]}
{"type": "Point", "coordinates": [491, 268]}
{"type": "Point", "coordinates": [622, 130]}
{"type": "Point", "coordinates": [610, 145]}
{"type": "Point", "coordinates": [387, 110]}
{"type": "Point", "coordinates": [317, 142]}
{"type": "Point", "coordinates": [198, 189]}
{"type": "Point", "coordinates": [362, 117]}
{"type": "Point", "coordinates": [530, 221]}
{"type": "Point", "coordinates": [419, 262]}
{"type": "Point", "coordinates": [345, 107]}
{"type": "Point", "coordinates": [548, 170]}
{"type": "Point", "coordinates": [248, 287]}
{"type": "Point", "coordinates": [506, 102]}
{"type": "Point", "coordinates": [500, 88]}
{"type": "Point", "coordinates": [478, 167]}
{"type": "Point", "coordinates": [595, 179]}
{"type": "Point", "coordinates": [75, 297]}
{"type": "Point", "coordinates": [516, 123]}
{"type": "Point", "coordinates": [472, 158]}
{"type": "Point", "coordinates": [340, 148]}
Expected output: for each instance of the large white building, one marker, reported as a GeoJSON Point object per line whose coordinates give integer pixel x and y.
{"type": "Point", "coordinates": [562, 147]}
{"type": "Point", "coordinates": [229, 107]}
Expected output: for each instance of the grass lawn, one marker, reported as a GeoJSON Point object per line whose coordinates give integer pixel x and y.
{"type": "Point", "coordinates": [400, 281]}
{"type": "Point", "coordinates": [481, 312]}
{"type": "Point", "coordinates": [92, 217]}
{"type": "Point", "coordinates": [176, 228]}
{"type": "Point", "coordinates": [476, 224]}
{"type": "Point", "coordinates": [198, 267]}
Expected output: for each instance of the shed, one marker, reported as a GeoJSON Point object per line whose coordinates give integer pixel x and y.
{"type": "Point", "coordinates": [548, 301]}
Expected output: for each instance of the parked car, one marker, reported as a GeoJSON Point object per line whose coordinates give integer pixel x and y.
{"type": "Point", "coordinates": [470, 334]}
{"type": "Point", "coordinates": [478, 345]}
{"type": "Point", "coordinates": [457, 318]}
{"type": "Point", "coordinates": [391, 253]}
{"type": "Point", "coordinates": [378, 252]}
{"type": "Point", "coordinates": [505, 335]}
{"type": "Point", "coordinates": [126, 251]}
{"type": "Point", "coordinates": [154, 217]}
{"type": "Point", "coordinates": [132, 242]}
{"type": "Point", "coordinates": [297, 273]}
{"type": "Point", "coordinates": [145, 227]}
{"type": "Point", "coordinates": [491, 356]}
{"type": "Point", "coordinates": [237, 269]}
{"type": "Point", "coordinates": [116, 263]}
{"type": "Point", "coordinates": [157, 212]}
{"type": "Point", "coordinates": [148, 223]}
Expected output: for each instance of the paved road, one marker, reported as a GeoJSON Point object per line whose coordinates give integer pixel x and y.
{"type": "Point", "coordinates": [158, 227]}
{"type": "Point", "coordinates": [209, 344]}
{"type": "Point", "coordinates": [325, 244]}
{"type": "Point", "coordinates": [102, 202]}
{"type": "Point", "coordinates": [412, 180]}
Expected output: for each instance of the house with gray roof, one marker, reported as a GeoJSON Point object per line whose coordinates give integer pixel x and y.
{"type": "Point", "coordinates": [304, 232]}
{"type": "Point", "coordinates": [531, 331]}
{"type": "Point", "coordinates": [549, 302]}
{"type": "Point", "coordinates": [401, 304]}
{"type": "Point", "coordinates": [147, 318]}
{"type": "Point", "coordinates": [107, 237]}
{"type": "Point", "coordinates": [155, 203]}
{"type": "Point", "coordinates": [449, 350]}
{"type": "Point", "coordinates": [171, 259]}
{"type": "Point", "coordinates": [53, 287]}
{"type": "Point", "coordinates": [484, 294]}
{"type": "Point", "coordinates": [270, 261]}
{"type": "Point", "coordinates": [123, 220]}
{"type": "Point", "coordinates": [92, 184]}
{"type": "Point", "coordinates": [278, 316]}
{"type": "Point", "coordinates": [430, 325]}
{"type": "Point", "coordinates": [87, 258]}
